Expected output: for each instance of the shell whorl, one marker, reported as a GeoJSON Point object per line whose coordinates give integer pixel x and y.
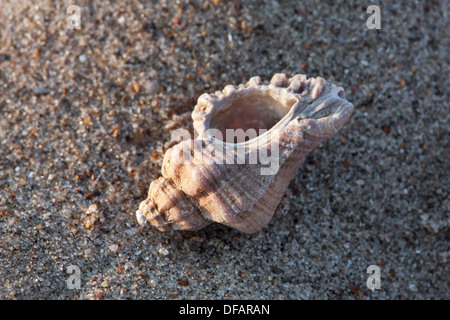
{"type": "Point", "coordinates": [199, 185]}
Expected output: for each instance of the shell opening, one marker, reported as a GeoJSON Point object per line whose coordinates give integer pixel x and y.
{"type": "Point", "coordinates": [257, 111]}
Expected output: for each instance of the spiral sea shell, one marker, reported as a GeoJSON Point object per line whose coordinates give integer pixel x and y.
{"type": "Point", "coordinates": [239, 182]}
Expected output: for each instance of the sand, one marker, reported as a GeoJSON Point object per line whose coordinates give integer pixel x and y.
{"type": "Point", "coordinates": [86, 116]}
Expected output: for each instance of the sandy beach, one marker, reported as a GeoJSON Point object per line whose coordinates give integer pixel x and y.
{"type": "Point", "coordinates": [86, 117]}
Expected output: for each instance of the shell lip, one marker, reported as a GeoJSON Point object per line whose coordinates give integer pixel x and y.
{"type": "Point", "coordinates": [335, 105]}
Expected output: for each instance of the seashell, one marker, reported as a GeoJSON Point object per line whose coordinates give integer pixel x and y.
{"type": "Point", "coordinates": [239, 180]}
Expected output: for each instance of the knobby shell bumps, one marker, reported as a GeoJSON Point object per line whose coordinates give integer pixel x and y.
{"type": "Point", "coordinates": [240, 183]}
